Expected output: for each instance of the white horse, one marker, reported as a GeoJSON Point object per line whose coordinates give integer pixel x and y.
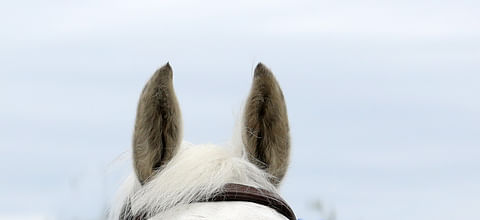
{"type": "Point", "coordinates": [176, 180]}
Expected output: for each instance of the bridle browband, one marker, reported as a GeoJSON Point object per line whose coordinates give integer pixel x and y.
{"type": "Point", "coordinates": [232, 192]}
{"type": "Point", "coordinates": [244, 193]}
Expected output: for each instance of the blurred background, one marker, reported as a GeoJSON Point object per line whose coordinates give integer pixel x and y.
{"type": "Point", "coordinates": [383, 99]}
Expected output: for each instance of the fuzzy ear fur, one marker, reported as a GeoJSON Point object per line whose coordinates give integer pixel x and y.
{"type": "Point", "coordinates": [265, 132]}
{"type": "Point", "coordinates": [157, 132]}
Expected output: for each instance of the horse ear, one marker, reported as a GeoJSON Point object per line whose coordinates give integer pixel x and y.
{"type": "Point", "coordinates": [157, 134]}
{"type": "Point", "coordinates": [265, 130]}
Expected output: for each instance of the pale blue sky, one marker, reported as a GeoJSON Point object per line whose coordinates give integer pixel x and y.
{"type": "Point", "coordinates": [383, 98]}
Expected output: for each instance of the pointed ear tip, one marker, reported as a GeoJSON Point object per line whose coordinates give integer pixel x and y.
{"type": "Point", "coordinates": [167, 66]}
{"type": "Point", "coordinates": [164, 70]}
{"type": "Point", "coordinates": [260, 65]}
{"type": "Point", "coordinates": [261, 69]}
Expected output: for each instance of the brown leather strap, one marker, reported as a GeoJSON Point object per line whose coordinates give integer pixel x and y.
{"type": "Point", "coordinates": [234, 192]}
{"type": "Point", "coordinates": [239, 192]}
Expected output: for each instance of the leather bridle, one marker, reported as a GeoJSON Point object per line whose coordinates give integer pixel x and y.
{"type": "Point", "coordinates": [236, 192]}
{"type": "Point", "coordinates": [244, 193]}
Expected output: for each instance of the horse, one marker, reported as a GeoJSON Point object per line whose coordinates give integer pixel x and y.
{"type": "Point", "coordinates": [174, 179]}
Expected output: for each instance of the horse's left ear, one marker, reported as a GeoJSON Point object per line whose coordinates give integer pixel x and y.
{"type": "Point", "coordinates": [265, 125]}
{"type": "Point", "coordinates": [157, 134]}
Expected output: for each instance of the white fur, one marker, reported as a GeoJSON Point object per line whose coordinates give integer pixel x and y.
{"type": "Point", "coordinates": [194, 174]}
{"type": "Point", "coordinates": [220, 211]}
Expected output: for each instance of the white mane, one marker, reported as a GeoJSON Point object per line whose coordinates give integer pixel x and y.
{"type": "Point", "coordinates": [194, 173]}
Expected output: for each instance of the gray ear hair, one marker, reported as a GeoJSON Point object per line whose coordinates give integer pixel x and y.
{"type": "Point", "coordinates": [265, 130]}
{"type": "Point", "coordinates": [157, 134]}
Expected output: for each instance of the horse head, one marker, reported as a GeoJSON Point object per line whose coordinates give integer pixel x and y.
{"type": "Point", "coordinates": [174, 179]}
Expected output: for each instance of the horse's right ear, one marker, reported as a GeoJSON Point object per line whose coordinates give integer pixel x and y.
{"type": "Point", "coordinates": [157, 134]}
{"type": "Point", "coordinates": [265, 125]}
